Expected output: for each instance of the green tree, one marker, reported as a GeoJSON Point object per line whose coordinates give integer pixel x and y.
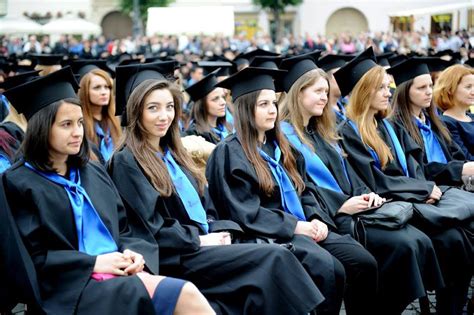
{"type": "Point", "coordinates": [277, 7]}
{"type": "Point", "coordinates": [126, 6]}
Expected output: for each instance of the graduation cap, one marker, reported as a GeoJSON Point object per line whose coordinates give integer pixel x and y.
{"type": "Point", "coordinates": [270, 62]}
{"type": "Point", "coordinates": [249, 80]}
{"type": "Point", "coordinates": [48, 59]}
{"type": "Point", "coordinates": [409, 69]}
{"type": "Point", "coordinates": [382, 59]}
{"type": "Point", "coordinates": [348, 75]}
{"type": "Point", "coordinates": [30, 97]}
{"type": "Point", "coordinates": [297, 66]}
{"type": "Point", "coordinates": [23, 68]}
{"type": "Point", "coordinates": [127, 78]}
{"type": "Point", "coordinates": [436, 64]}
{"type": "Point", "coordinates": [330, 62]}
{"type": "Point", "coordinates": [203, 87]}
{"type": "Point", "coordinates": [19, 79]}
{"type": "Point", "coordinates": [396, 59]}
{"type": "Point", "coordinates": [82, 67]}
{"type": "Point", "coordinates": [210, 66]}
{"type": "Point", "coordinates": [247, 58]}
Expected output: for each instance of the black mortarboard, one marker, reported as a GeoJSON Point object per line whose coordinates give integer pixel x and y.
{"type": "Point", "coordinates": [48, 59]}
{"type": "Point", "coordinates": [250, 80]}
{"type": "Point", "coordinates": [211, 66]}
{"type": "Point", "coordinates": [297, 66]}
{"type": "Point", "coordinates": [23, 68]}
{"type": "Point", "coordinates": [436, 64]}
{"type": "Point", "coordinates": [330, 62]}
{"type": "Point", "coordinates": [34, 95]}
{"type": "Point", "coordinates": [382, 59]}
{"type": "Point", "coordinates": [83, 67]}
{"type": "Point", "coordinates": [203, 87]}
{"type": "Point", "coordinates": [409, 69]}
{"type": "Point", "coordinates": [348, 75]}
{"type": "Point", "coordinates": [127, 78]}
{"type": "Point", "coordinates": [395, 60]}
{"type": "Point", "coordinates": [270, 62]}
{"type": "Point", "coordinates": [249, 56]}
{"type": "Point", "coordinates": [18, 79]}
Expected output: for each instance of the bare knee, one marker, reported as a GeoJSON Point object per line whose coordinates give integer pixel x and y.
{"type": "Point", "coordinates": [191, 301]}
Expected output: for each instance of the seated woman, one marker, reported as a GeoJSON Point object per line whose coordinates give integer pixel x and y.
{"type": "Point", "coordinates": [413, 110]}
{"type": "Point", "coordinates": [257, 180]}
{"type": "Point", "coordinates": [72, 221]}
{"type": "Point", "coordinates": [103, 128]}
{"type": "Point", "coordinates": [159, 182]}
{"type": "Point", "coordinates": [309, 123]}
{"type": "Point", "coordinates": [384, 161]}
{"type": "Point", "coordinates": [454, 94]}
{"type": "Point", "coordinates": [208, 110]}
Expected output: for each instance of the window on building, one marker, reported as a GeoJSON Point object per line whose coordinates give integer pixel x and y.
{"type": "Point", "coordinates": [441, 22]}
{"type": "Point", "coordinates": [402, 23]}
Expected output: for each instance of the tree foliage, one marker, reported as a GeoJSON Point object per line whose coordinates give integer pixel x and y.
{"type": "Point", "coordinates": [277, 7]}
{"type": "Point", "coordinates": [126, 6]}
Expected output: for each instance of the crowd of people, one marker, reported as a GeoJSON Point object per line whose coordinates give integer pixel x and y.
{"type": "Point", "coordinates": [221, 176]}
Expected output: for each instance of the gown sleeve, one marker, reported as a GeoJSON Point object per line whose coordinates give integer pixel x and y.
{"type": "Point", "coordinates": [235, 190]}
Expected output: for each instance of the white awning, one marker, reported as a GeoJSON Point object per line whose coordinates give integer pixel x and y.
{"type": "Point", "coordinates": [71, 25]}
{"type": "Point", "coordinates": [18, 25]}
{"type": "Point", "coordinates": [446, 8]}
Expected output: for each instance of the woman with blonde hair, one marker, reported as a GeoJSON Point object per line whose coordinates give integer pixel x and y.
{"type": "Point", "coordinates": [454, 94]}
{"type": "Point", "coordinates": [309, 123]}
{"type": "Point", "coordinates": [386, 161]}
{"type": "Point", "coordinates": [103, 127]}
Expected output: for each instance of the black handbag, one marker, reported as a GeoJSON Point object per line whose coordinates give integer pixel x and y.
{"type": "Point", "coordinates": [390, 215]}
{"type": "Point", "coordinates": [456, 207]}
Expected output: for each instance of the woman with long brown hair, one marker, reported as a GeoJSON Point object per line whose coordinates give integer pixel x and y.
{"type": "Point", "coordinates": [414, 110]}
{"type": "Point", "coordinates": [309, 122]}
{"type": "Point", "coordinates": [256, 179]}
{"type": "Point", "coordinates": [103, 128]}
{"type": "Point", "coordinates": [386, 161]}
{"type": "Point", "coordinates": [161, 186]}
{"type": "Point", "coordinates": [208, 110]}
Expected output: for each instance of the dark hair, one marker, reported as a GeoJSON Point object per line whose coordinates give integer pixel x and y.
{"type": "Point", "coordinates": [35, 147]}
{"type": "Point", "coordinates": [246, 128]}
{"type": "Point", "coordinates": [401, 113]}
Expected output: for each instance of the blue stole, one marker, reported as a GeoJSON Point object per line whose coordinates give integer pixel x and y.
{"type": "Point", "coordinates": [400, 154]}
{"type": "Point", "coordinates": [228, 116]}
{"type": "Point", "coordinates": [433, 150]}
{"type": "Point", "coordinates": [4, 163]}
{"type": "Point", "coordinates": [93, 236]}
{"type": "Point", "coordinates": [289, 198]}
{"type": "Point", "coordinates": [315, 168]}
{"type": "Point", "coordinates": [342, 110]}
{"type": "Point", "coordinates": [5, 102]}
{"type": "Point", "coordinates": [106, 145]}
{"type": "Point", "coordinates": [186, 191]}
{"type": "Point", "coordinates": [220, 131]}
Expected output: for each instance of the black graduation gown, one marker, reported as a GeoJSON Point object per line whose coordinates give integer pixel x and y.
{"type": "Point", "coordinates": [234, 188]}
{"type": "Point", "coordinates": [46, 224]}
{"type": "Point", "coordinates": [209, 136]}
{"type": "Point", "coordinates": [18, 281]}
{"type": "Point", "coordinates": [443, 174]}
{"type": "Point", "coordinates": [406, 257]}
{"type": "Point", "coordinates": [462, 133]}
{"type": "Point", "coordinates": [453, 247]}
{"type": "Point", "coordinates": [237, 279]}
{"type": "Point", "coordinates": [390, 182]}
